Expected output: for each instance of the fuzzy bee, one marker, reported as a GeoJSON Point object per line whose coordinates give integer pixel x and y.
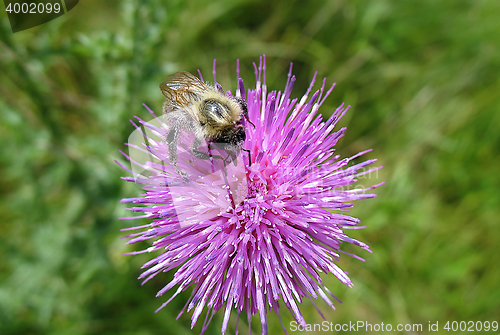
{"type": "Point", "coordinates": [203, 110]}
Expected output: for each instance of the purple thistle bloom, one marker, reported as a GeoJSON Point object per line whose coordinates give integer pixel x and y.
{"type": "Point", "coordinates": [272, 242]}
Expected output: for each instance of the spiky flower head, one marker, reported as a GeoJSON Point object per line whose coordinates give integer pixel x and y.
{"type": "Point", "coordinates": [256, 249]}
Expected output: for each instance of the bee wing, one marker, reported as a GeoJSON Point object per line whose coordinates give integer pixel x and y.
{"type": "Point", "coordinates": [181, 89]}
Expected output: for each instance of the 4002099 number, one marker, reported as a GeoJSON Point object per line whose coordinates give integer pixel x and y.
{"type": "Point", "coordinates": [471, 326]}
{"type": "Point", "coordinates": [33, 8]}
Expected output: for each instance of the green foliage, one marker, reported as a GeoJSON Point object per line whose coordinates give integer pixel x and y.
{"type": "Point", "coordinates": [422, 76]}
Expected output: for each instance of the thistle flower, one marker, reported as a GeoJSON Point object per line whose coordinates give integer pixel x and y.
{"type": "Point", "coordinates": [263, 240]}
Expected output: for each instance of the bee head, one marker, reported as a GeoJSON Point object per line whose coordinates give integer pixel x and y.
{"type": "Point", "coordinates": [233, 135]}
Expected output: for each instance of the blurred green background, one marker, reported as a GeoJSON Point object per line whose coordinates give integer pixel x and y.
{"type": "Point", "coordinates": [423, 78]}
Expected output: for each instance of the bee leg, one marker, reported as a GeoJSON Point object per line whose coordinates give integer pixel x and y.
{"type": "Point", "coordinates": [249, 156]}
{"type": "Point", "coordinates": [172, 138]}
{"type": "Point", "coordinates": [211, 157]}
{"type": "Point", "coordinates": [196, 152]}
{"type": "Point", "coordinates": [200, 154]}
{"type": "Point", "coordinates": [224, 162]}
{"type": "Point", "coordinates": [231, 157]}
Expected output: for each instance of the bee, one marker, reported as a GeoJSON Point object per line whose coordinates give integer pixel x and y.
{"type": "Point", "coordinates": [196, 107]}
